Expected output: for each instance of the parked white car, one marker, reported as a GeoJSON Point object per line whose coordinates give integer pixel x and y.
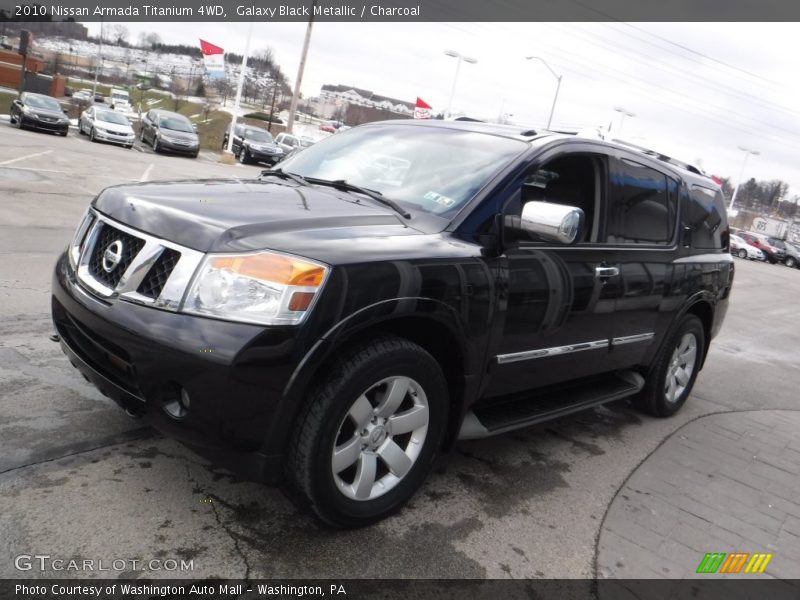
{"type": "Point", "coordinates": [742, 249]}
{"type": "Point", "coordinates": [102, 124]}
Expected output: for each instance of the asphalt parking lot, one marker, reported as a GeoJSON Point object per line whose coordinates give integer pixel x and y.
{"type": "Point", "coordinates": [80, 479]}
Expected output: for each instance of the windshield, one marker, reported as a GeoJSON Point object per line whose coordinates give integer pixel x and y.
{"type": "Point", "coordinates": [305, 142]}
{"type": "Point", "coordinates": [777, 243]}
{"type": "Point", "coordinates": [42, 102]}
{"type": "Point", "coordinates": [111, 117]}
{"type": "Point", "coordinates": [431, 169]}
{"type": "Point", "coordinates": [175, 124]}
{"type": "Point", "coordinates": [118, 96]}
{"type": "Point", "coordinates": [257, 135]}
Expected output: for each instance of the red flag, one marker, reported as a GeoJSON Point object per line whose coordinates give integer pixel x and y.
{"type": "Point", "coordinates": [422, 104]}
{"type": "Point", "coordinates": [208, 49]}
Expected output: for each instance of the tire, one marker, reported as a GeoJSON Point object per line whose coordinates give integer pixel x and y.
{"type": "Point", "coordinates": [344, 411]}
{"type": "Point", "coordinates": [155, 145]}
{"type": "Point", "coordinates": [243, 155]}
{"type": "Point", "coordinates": [673, 375]}
{"type": "Point", "coordinates": [91, 135]}
{"type": "Point", "coordinates": [80, 128]}
{"type": "Point", "coordinates": [64, 133]}
{"type": "Point", "coordinates": [790, 261]}
{"type": "Point", "coordinates": [742, 253]}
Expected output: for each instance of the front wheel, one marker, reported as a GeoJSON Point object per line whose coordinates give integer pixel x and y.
{"type": "Point", "coordinates": [92, 137]}
{"type": "Point", "coordinates": [790, 261]}
{"type": "Point", "coordinates": [155, 144]}
{"type": "Point", "coordinates": [742, 253]}
{"type": "Point", "coordinates": [675, 371]}
{"type": "Point", "coordinates": [243, 157]}
{"type": "Point", "coordinates": [367, 436]}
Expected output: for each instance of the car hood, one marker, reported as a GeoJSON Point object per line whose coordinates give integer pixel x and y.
{"type": "Point", "coordinates": [114, 127]}
{"type": "Point", "coordinates": [46, 112]}
{"type": "Point", "coordinates": [245, 215]}
{"type": "Point", "coordinates": [262, 145]}
{"type": "Point", "coordinates": [181, 135]}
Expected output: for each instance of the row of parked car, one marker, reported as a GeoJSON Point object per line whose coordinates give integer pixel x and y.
{"type": "Point", "coordinates": [163, 130]}
{"type": "Point", "coordinates": [757, 246]}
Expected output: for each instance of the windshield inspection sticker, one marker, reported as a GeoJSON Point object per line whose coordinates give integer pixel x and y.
{"type": "Point", "coordinates": [439, 199]}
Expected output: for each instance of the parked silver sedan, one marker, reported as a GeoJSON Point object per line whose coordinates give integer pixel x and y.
{"type": "Point", "coordinates": [102, 124]}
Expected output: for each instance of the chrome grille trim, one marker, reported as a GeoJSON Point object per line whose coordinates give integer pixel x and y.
{"type": "Point", "coordinates": [177, 282]}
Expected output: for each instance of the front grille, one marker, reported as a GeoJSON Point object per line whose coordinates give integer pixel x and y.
{"type": "Point", "coordinates": [130, 248]}
{"type": "Point", "coordinates": [157, 276]}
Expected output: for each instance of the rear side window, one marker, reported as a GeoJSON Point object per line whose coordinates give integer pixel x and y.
{"type": "Point", "coordinates": [706, 218]}
{"type": "Point", "coordinates": [642, 207]}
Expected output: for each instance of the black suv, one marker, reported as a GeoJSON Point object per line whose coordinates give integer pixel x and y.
{"type": "Point", "coordinates": [253, 144]}
{"type": "Point", "coordinates": [335, 323]}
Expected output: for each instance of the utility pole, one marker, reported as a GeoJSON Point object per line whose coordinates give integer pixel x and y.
{"type": "Point", "coordinates": [229, 149]}
{"type": "Point", "coordinates": [272, 108]}
{"type": "Point", "coordinates": [96, 68]}
{"type": "Point", "coordinates": [299, 80]}
{"type": "Point", "coordinates": [747, 153]}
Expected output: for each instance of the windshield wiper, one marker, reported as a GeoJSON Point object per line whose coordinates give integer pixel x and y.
{"type": "Point", "coordinates": [341, 184]}
{"type": "Point", "coordinates": [284, 175]}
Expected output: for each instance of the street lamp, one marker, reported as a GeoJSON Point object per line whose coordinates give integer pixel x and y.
{"type": "Point", "coordinates": [558, 85]}
{"type": "Point", "coordinates": [459, 58]}
{"type": "Point", "coordinates": [622, 114]}
{"type": "Point", "coordinates": [747, 152]}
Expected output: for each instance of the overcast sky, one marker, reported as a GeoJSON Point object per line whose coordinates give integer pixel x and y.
{"type": "Point", "coordinates": [698, 90]}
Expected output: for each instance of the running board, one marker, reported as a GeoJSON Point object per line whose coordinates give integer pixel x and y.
{"type": "Point", "coordinates": [493, 419]}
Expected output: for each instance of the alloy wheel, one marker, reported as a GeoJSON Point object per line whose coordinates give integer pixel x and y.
{"type": "Point", "coordinates": [681, 367]}
{"type": "Point", "coordinates": [380, 438]}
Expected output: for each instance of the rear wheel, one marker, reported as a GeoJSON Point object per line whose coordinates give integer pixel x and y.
{"type": "Point", "coordinates": [367, 436]}
{"type": "Point", "coordinates": [675, 371]}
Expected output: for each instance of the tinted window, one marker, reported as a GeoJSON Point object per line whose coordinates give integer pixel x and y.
{"type": "Point", "coordinates": [642, 205]}
{"type": "Point", "coordinates": [706, 218]}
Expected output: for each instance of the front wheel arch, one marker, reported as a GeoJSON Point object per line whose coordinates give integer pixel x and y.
{"type": "Point", "coordinates": [328, 425]}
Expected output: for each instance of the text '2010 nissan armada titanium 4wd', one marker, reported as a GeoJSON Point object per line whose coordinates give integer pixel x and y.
{"type": "Point", "coordinates": [335, 323]}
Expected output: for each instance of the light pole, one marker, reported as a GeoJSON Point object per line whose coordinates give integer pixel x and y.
{"type": "Point", "coordinates": [622, 114]}
{"type": "Point", "coordinates": [747, 152]}
{"type": "Point", "coordinates": [459, 58]}
{"type": "Point", "coordinates": [558, 85]}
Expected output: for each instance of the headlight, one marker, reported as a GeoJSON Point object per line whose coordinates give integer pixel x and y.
{"type": "Point", "coordinates": [262, 287]}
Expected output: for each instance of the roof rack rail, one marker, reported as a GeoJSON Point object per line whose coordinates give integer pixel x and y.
{"type": "Point", "coordinates": [663, 157]}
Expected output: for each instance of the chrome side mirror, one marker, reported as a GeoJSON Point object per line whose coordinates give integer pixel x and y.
{"type": "Point", "coordinates": [552, 222]}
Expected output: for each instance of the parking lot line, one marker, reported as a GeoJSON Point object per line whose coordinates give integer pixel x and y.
{"type": "Point", "coordinates": [146, 173]}
{"type": "Point", "coordinates": [13, 160]}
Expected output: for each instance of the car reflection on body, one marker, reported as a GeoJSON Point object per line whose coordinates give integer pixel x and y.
{"type": "Point", "coordinates": [104, 125]}
{"type": "Point", "coordinates": [742, 249]}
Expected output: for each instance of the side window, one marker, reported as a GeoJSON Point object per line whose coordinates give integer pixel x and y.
{"type": "Point", "coordinates": [706, 218]}
{"type": "Point", "coordinates": [642, 204]}
{"type": "Point", "coordinates": [576, 180]}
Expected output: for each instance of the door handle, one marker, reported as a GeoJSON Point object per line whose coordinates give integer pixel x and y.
{"type": "Point", "coordinates": [605, 272]}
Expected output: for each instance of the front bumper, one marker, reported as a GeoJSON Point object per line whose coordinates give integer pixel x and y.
{"type": "Point", "coordinates": [114, 138]}
{"type": "Point", "coordinates": [261, 156]}
{"type": "Point", "coordinates": [178, 148]}
{"type": "Point", "coordinates": [32, 123]}
{"type": "Point", "coordinates": [235, 374]}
